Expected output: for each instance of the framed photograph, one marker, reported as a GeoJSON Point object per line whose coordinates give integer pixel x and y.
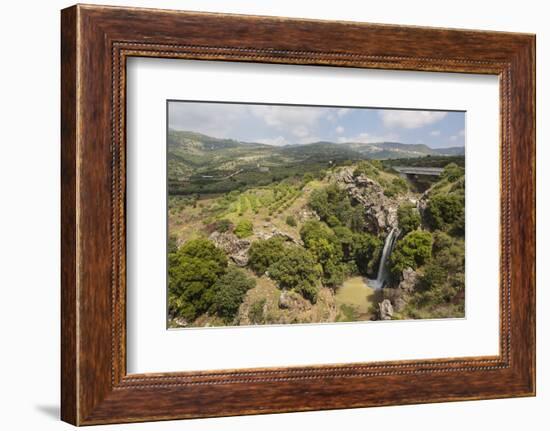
{"type": "Point", "coordinates": [264, 214]}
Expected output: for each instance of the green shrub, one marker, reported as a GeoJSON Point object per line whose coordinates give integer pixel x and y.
{"type": "Point", "coordinates": [297, 270]}
{"type": "Point", "coordinates": [452, 172]}
{"type": "Point", "coordinates": [256, 312]}
{"type": "Point", "coordinates": [192, 270]}
{"type": "Point", "coordinates": [345, 237]}
{"type": "Point", "coordinates": [408, 217]}
{"type": "Point", "coordinates": [227, 293]}
{"type": "Point", "coordinates": [263, 253]}
{"type": "Point", "coordinates": [332, 204]}
{"type": "Point", "coordinates": [369, 169]}
{"type": "Point", "coordinates": [365, 251]}
{"type": "Point", "coordinates": [244, 229]}
{"type": "Point", "coordinates": [325, 247]}
{"type": "Point", "coordinates": [396, 187]}
{"type": "Point", "coordinates": [172, 245]}
{"type": "Point", "coordinates": [442, 241]}
{"type": "Point", "coordinates": [357, 219]}
{"type": "Point", "coordinates": [412, 251]}
{"type": "Point", "coordinates": [291, 221]}
{"type": "Point", "coordinates": [445, 210]}
{"type": "Point", "coordinates": [223, 225]}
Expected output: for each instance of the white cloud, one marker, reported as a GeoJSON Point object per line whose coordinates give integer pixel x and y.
{"type": "Point", "coordinates": [435, 133]}
{"type": "Point", "coordinates": [213, 119]}
{"type": "Point", "coordinates": [300, 131]}
{"type": "Point", "coordinates": [461, 133]}
{"type": "Point", "coordinates": [287, 116]}
{"type": "Point", "coordinates": [410, 119]}
{"type": "Point", "coordinates": [339, 130]}
{"type": "Point", "coordinates": [342, 111]}
{"type": "Point", "coordinates": [453, 138]}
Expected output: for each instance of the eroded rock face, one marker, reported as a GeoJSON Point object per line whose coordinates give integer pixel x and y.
{"type": "Point", "coordinates": [400, 295]}
{"type": "Point", "coordinates": [409, 278]}
{"type": "Point", "coordinates": [293, 301]}
{"type": "Point", "coordinates": [274, 232]}
{"type": "Point", "coordinates": [307, 214]}
{"type": "Point", "coordinates": [234, 247]}
{"type": "Point", "coordinates": [380, 210]}
{"type": "Point", "coordinates": [385, 310]}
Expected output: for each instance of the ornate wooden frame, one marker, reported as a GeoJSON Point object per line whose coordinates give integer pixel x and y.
{"type": "Point", "coordinates": [95, 42]}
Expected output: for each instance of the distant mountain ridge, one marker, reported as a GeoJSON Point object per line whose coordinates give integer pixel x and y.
{"type": "Point", "coordinates": [198, 163]}
{"type": "Point", "coordinates": [194, 142]}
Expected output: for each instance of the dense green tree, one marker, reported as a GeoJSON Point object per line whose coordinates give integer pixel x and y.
{"type": "Point", "coordinates": [452, 172]}
{"type": "Point", "coordinates": [408, 217]}
{"type": "Point", "coordinates": [444, 210]}
{"type": "Point", "coordinates": [345, 237]}
{"type": "Point", "coordinates": [321, 241]}
{"type": "Point", "coordinates": [192, 270]}
{"type": "Point", "coordinates": [443, 277]}
{"type": "Point", "coordinates": [365, 250]}
{"type": "Point", "coordinates": [332, 204]}
{"type": "Point", "coordinates": [357, 219]}
{"type": "Point", "coordinates": [244, 228]}
{"type": "Point", "coordinates": [227, 293]}
{"type": "Point", "coordinates": [263, 253]}
{"type": "Point", "coordinates": [297, 270]}
{"type": "Point", "coordinates": [412, 251]}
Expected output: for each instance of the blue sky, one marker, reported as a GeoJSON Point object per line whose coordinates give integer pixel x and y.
{"type": "Point", "coordinates": [284, 125]}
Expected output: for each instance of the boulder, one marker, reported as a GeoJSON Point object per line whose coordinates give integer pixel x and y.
{"type": "Point", "coordinates": [409, 278]}
{"type": "Point", "coordinates": [306, 214]}
{"type": "Point", "coordinates": [274, 232]}
{"type": "Point", "coordinates": [234, 247]}
{"type": "Point", "coordinates": [385, 309]}
{"type": "Point", "coordinates": [180, 322]}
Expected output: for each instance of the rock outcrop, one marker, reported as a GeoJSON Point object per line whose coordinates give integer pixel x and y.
{"type": "Point", "coordinates": [274, 232]}
{"type": "Point", "coordinates": [380, 210]}
{"type": "Point", "coordinates": [307, 214]}
{"type": "Point", "coordinates": [234, 247]}
{"type": "Point", "coordinates": [293, 301]}
{"type": "Point", "coordinates": [409, 277]}
{"type": "Point", "coordinates": [267, 304]}
{"type": "Point", "coordinates": [385, 310]}
{"type": "Point", "coordinates": [400, 295]}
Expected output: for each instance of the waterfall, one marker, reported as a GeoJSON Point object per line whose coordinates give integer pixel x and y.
{"type": "Point", "coordinates": [383, 273]}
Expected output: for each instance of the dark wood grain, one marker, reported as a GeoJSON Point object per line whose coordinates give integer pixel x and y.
{"type": "Point", "coordinates": [69, 397]}
{"type": "Point", "coordinates": [96, 41]}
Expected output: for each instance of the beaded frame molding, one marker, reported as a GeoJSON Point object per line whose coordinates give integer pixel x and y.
{"type": "Point", "coordinates": [95, 43]}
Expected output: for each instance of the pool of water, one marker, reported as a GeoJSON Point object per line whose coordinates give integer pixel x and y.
{"type": "Point", "coordinates": [357, 293]}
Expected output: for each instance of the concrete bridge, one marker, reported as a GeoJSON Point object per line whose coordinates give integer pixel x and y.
{"type": "Point", "coordinates": [410, 170]}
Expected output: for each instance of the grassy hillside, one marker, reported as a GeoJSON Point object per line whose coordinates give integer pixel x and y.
{"type": "Point", "coordinates": [200, 164]}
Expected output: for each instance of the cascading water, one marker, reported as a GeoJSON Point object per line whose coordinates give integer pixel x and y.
{"type": "Point", "coordinates": [383, 273]}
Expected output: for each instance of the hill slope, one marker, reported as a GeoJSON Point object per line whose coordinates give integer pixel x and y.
{"type": "Point", "coordinates": [199, 163]}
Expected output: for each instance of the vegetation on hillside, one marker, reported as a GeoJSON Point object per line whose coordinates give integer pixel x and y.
{"type": "Point", "coordinates": [307, 235]}
{"type": "Point", "coordinates": [434, 246]}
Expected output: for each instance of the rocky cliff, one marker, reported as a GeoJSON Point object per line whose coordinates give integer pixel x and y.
{"type": "Point", "coordinates": [380, 210]}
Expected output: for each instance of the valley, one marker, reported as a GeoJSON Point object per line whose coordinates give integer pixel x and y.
{"type": "Point", "coordinates": [317, 233]}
